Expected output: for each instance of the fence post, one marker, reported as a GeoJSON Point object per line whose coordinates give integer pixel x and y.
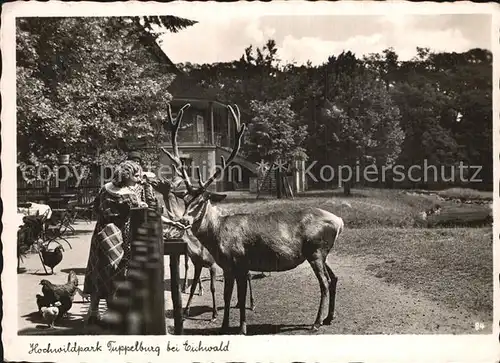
{"type": "Point", "coordinates": [138, 307]}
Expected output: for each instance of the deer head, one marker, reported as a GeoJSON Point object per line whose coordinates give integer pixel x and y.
{"type": "Point", "coordinates": [164, 186]}
{"type": "Point", "coordinates": [197, 199]}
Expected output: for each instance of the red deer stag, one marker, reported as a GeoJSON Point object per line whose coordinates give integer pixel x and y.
{"type": "Point", "coordinates": [262, 241]}
{"type": "Point", "coordinates": [174, 210]}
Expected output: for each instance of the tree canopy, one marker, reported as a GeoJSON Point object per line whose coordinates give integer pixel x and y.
{"type": "Point", "coordinates": [83, 84]}
{"type": "Point", "coordinates": [434, 109]}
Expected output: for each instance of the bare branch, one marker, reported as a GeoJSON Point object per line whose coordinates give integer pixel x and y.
{"type": "Point", "coordinates": [174, 124]}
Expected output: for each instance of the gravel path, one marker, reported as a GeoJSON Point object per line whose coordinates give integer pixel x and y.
{"type": "Point", "coordinates": [364, 305]}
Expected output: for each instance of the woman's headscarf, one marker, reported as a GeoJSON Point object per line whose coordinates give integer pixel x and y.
{"type": "Point", "coordinates": [124, 172]}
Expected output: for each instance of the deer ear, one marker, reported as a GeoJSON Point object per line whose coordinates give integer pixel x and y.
{"type": "Point", "coordinates": [215, 197]}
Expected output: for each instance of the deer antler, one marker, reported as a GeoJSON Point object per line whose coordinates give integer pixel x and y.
{"type": "Point", "coordinates": [174, 124]}
{"type": "Point", "coordinates": [240, 129]}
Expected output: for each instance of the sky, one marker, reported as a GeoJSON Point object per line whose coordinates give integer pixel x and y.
{"type": "Point", "coordinates": [315, 38]}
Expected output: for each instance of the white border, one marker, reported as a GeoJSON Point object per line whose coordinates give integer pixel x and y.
{"type": "Point", "coordinates": [374, 348]}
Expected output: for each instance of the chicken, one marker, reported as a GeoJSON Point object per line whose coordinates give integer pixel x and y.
{"type": "Point", "coordinates": [84, 296]}
{"type": "Point", "coordinates": [63, 293]}
{"type": "Point", "coordinates": [51, 313]}
{"type": "Point", "coordinates": [42, 301]}
{"type": "Point", "coordinates": [73, 278]}
{"type": "Point", "coordinates": [51, 258]}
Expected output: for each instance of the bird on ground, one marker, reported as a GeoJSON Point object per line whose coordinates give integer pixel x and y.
{"type": "Point", "coordinates": [51, 313]}
{"type": "Point", "coordinates": [51, 258]}
{"type": "Point", "coordinates": [84, 296]}
{"type": "Point", "coordinates": [64, 293]}
{"type": "Point", "coordinates": [42, 301]}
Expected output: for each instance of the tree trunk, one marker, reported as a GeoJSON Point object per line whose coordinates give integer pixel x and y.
{"type": "Point", "coordinates": [348, 183]}
{"type": "Point", "coordinates": [278, 183]}
{"type": "Point", "coordinates": [347, 188]}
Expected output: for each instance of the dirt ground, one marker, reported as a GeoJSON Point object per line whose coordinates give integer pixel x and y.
{"type": "Point", "coordinates": [364, 305]}
{"type": "Point", "coordinates": [286, 302]}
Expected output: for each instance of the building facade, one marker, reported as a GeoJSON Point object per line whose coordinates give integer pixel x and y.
{"type": "Point", "coordinates": [207, 133]}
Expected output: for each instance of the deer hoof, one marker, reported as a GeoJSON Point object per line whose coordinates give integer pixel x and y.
{"type": "Point", "coordinates": [186, 313]}
{"type": "Point", "coordinates": [328, 320]}
{"type": "Point", "coordinates": [214, 318]}
{"type": "Point", "coordinates": [224, 328]}
{"type": "Point", "coordinates": [315, 327]}
{"type": "Point", "coordinates": [243, 330]}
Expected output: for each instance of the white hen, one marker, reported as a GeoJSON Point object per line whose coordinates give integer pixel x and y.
{"type": "Point", "coordinates": [50, 313]}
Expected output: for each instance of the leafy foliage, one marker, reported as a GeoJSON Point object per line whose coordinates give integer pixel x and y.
{"type": "Point", "coordinates": [363, 121]}
{"type": "Point", "coordinates": [89, 85]}
{"type": "Point", "coordinates": [84, 84]}
{"type": "Point", "coordinates": [275, 132]}
{"type": "Point", "coordinates": [434, 108]}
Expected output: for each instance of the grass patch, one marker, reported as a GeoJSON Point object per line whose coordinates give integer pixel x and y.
{"type": "Point", "coordinates": [462, 215]}
{"type": "Point", "coordinates": [453, 266]}
{"type": "Point", "coordinates": [365, 209]}
{"type": "Point", "coordinates": [370, 208]}
{"type": "Point", "coordinates": [465, 194]}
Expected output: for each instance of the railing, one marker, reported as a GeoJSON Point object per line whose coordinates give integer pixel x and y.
{"type": "Point", "coordinates": [37, 189]}
{"type": "Point", "coordinates": [84, 194]}
{"type": "Point", "coordinates": [201, 138]}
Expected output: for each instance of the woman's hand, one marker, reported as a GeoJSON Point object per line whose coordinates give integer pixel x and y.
{"type": "Point", "coordinates": [143, 205]}
{"type": "Point", "coordinates": [181, 225]}
{"type": "Point", "coordinates": [174, 223]}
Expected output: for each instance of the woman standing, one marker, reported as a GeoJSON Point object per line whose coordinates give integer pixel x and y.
{"type": "Point", "coordinates": [110, 244]}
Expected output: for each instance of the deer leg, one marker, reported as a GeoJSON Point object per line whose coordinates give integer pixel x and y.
{"type": "Point", "coordinates": [213, 277]}
{"type": "Point", "coordinates": [333, 290]}
{"type": "Point", "coordinates": [200, 291]}
{"type": "Point", "coordinates": [197, 273]}
{"type": "Point", "coordinates": [228, 292]}
{"type": "Point", "coordinates": [241, 281]}
{"type": "Point", "coordinates": [318, 267]}
{"type": "Point", "coordinates": [186, 268]}
{"type": "Point", "coordinates": [252, 304]}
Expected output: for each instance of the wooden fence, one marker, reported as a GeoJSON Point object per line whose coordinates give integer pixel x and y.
{"type": "Point", "coordinates": [138, 307]}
